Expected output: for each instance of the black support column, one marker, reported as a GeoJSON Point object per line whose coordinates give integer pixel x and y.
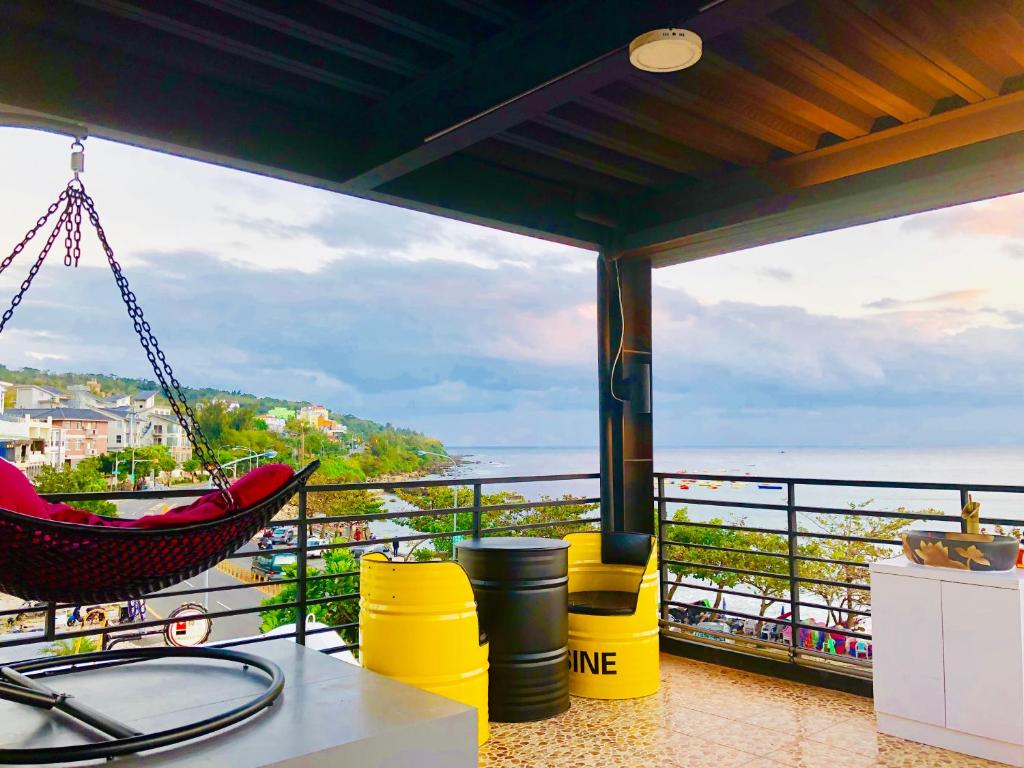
{"type": "Point", "coordinates": [624, 379]}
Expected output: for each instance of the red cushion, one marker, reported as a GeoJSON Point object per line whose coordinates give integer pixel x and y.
{"type": "Point", "coordinates": [18, 495]}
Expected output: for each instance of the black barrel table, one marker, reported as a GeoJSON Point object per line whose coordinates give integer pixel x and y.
{"type": "Point", "coordinates": [522, 592]}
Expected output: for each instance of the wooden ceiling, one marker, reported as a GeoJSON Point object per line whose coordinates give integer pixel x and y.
{"type": "Point", "coordinates": [801, 116]}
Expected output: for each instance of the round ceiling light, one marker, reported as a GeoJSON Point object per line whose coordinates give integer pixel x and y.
{"type": "Point", "coordinates": [665, 50]}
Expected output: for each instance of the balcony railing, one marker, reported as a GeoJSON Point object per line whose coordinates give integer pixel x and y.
{"type": "Point", "coordinates": [800, 571]}
{"type": "Point", "coordinates": [777, 558]}
{"type": "Point", "coordinates": [306, 580]}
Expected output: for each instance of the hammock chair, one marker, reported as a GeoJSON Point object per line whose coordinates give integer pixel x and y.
{"type": "Point", "coordinates": [57, 554]}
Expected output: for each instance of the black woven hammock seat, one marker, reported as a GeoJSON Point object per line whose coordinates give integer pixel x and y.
{"type": "Point", "coordinates": [54, 561]}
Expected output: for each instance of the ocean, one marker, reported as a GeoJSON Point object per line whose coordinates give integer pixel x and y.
{"type": "Point", "coordinates": [988, 466]}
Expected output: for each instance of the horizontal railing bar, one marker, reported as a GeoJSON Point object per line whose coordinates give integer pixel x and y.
{"type": "Point", "coordinates": [836, 608]}
{"type": "Point", "coordinates": [690, 629]}
{"type": "Point", "coordinates": [835, 660]}
{"type": "Point", "coordinates": [371, 517]}
{"type": "Point", "coordinates": [878, 513]}
{"type": "Point", "coordinates": [830, 561]}
{"type": "Point", "coordinates": [737, 614]}
{"type": "Point", "coordinates": [725, 569]}
{"type": "Point", "coordinates": [754, 552]}
{"type": "Point", "coordinates": [531, 526]}
{"type": "Point", "coordinates": [753, 596]}
{"type": "Point", "coordinates": [829, 583]}
{"type": "Point", "coordinates": [725, 526]}
{"type": "Point", "coordinates": [709, 588]}
{"type": "Point", "coordinates": [512, 480]}
{"type": "Point", "coordinates": [834, 631]}
{"type": "Point", "coordinates": [975, 487]}
{"type": "Point", "coordinates": [720, 503]}
{"type": "Point", "coordinates": [844, 537]}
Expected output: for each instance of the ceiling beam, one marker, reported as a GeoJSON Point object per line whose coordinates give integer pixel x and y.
{"type": "Point", "coordinates": [421, 31]}
{"type": "Point", "coordinates": [578, 121]}
{"type": "Point", "coordinates": [726, 216]}
{"type": "Point", "coordinates": [721, 102]}
{"type": "Point", "coordinates": [629, 107]}
{"type": "Point", "coordinates": [235, 47]}
{"type": "Point", "coordinates": [813, 48]}
{"type": "Point", "coordinates": [491, 12]}
{"type": "Point", "coordinates": [918, 28]}
{"type": "Point", "coordinates": [321, 38]}
{"type": "Point", "coordinates": [496, 87]}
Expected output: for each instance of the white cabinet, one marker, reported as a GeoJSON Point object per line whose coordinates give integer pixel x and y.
{"type": "Point", "coordinates": [915, 689]}
{"type": "Point", "coordinates": [949, 658]}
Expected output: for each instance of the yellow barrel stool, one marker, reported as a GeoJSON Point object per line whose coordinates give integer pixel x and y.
{"type": "Point", "coordinates": [613, 616]}
{"type": "Point", "coordinates": [418, 624]}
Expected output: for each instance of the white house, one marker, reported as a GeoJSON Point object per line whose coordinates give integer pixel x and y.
{"type": "Point", "coordinates": [144, 401]}
{"type": "Point", "coordinates": [26, 442]}
{"type": "Point", "coordinates": [4, 386]}
{"type": "Point", "coordinates": [37, 396]}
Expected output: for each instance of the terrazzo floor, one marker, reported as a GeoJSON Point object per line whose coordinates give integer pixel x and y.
{"type": "Point", "coordinates": [707, 716]}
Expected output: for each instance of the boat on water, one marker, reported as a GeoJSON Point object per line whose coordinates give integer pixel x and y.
{"type": "Point", "coordinates": [769, 486]}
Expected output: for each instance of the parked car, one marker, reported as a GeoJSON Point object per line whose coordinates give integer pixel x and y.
{"type": "Point", "coordinates": [314, 546]}
{"type": "Point", "coordinates": [283, 535]}
{"type": "Point", "coordinates": [271, 566]}
{"type": "Point", "coordinates": [371, 547]}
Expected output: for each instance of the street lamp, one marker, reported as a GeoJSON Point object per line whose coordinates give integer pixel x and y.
{"type": "Point", "coordinates": [250, 451]}
{"type": "Point", "coordinates": [455, 492]}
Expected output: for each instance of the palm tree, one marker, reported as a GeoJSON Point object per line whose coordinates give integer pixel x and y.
{"type": "Point", "coordinates": [71, 647]}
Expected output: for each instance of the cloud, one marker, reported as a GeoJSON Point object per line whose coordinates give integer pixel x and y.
{"type": "Point", "coordinates": [777, 273]}
{"type": "Point", "coordinates": [966, 296]}
{"type": "Point", "coordinates": [999, 217]}
{"type": "Point", "coordinates": [1014, 250]}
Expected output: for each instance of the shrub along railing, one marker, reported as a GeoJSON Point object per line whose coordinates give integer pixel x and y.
{"type": "Point", "coordinates": [808, 560]}
{"type": "Point", "coordinates": [304, 587]}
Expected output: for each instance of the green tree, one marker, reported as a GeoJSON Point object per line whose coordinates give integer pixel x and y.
{"type": "Point", "coordinates": [850, 559]}
{"type": "Point", "coordinates": [695, 546]}
{"type": "Point", "coordinates": [72, 646]}
{"type": "Point", "coordinates": [84, 477]}
{"type": "Point", "coordinates": [338, 563]}
{"type": "Point", "coordinates": [148, 458]}
{"type": "Point", "coordinates": [445, 497]}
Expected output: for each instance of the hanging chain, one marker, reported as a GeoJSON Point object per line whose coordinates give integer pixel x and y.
{"type": "Point", "coordinates": [43, 253]}
{"type": "Point", "coordinates": [74, 198]}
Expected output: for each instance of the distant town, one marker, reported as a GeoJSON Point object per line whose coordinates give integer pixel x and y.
{"type": "Point", "coordinates": [131, 436]}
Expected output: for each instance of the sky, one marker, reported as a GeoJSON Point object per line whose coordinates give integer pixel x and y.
{"type": "Point", "coordinates": [908, 332]}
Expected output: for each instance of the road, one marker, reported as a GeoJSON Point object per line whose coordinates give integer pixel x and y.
{"type": "Point", "coordinates": [226, 627]}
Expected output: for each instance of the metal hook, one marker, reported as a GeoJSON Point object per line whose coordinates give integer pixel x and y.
{"type": "Point", "coordinates": [77, 158]}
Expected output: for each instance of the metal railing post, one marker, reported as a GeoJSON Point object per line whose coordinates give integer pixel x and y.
{"type": "Point", "coordinates": [477, 512]}
{"type": "Point", "coordinates": [50, 628]}
{"type": "Point", "coordinates": [792, 531]}
{"type": "Point", "coordinates": [300, 587]}
{"type": "Point", "coordinates": [660, 544]}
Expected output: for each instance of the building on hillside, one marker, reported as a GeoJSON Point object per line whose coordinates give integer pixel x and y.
{"type": "Point", "coordinates": [75, 433]}
{"type": "Point", "coordinates": [286, 414]}
{"type": "Point", "coordinates": [145, 400]}
{"type": "Point", "coordinates": [166, 430]}
{"type": "Point", "coordinates": [5, 386]}
{"type": "Point", "coordinates": [274, 423]}
{"type": "Point", "coordinates": [313, 413]}
{"type": "Point", "coordinates": [38, 396]}
{"type": "Point", "coordinates": [25, 442]}
{"type": "Point", "coordinates": [130, 428]}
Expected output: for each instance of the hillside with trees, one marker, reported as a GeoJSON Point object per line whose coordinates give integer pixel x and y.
{"type": "Point", "coordinates": [368, 451]}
